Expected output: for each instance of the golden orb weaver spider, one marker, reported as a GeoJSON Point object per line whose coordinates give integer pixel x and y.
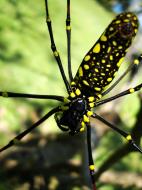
{"type": "Point", "coordinates": [86, 89]}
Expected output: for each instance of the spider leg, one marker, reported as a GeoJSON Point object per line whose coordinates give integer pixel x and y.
{"type": "Point", "coordinates": [59, 125]}
{"type": "Point", "coordinates": [36, 96]}
{"type": "Point", "coordinates": [134, 63]}
{"type": "Point", "coordinates": [90, 157]}
{"type": "Point", "coordinates": [16, 139]}
{"type": "Point", "coordinates": [124, 93]}
{"type": "Point", "coordinates": [127, 136]}
{"type": "Point", "coordinates": [54, 49]}
{"type": "Point", "coordinates": [68, 31]}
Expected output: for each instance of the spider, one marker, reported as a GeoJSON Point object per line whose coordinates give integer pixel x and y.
{"type": "Point", "coordinates": [97, 70]}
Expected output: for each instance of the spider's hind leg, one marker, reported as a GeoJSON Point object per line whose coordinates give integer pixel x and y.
{"type": "Point", "coordinates": [127, 136]}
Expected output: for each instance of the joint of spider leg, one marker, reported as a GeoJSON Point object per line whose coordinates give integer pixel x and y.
{"type": "Point", "coordinates": [140, 58]}
{"type": "Point", "coordinates": [92, 169]}
{"type": "Point", "coordinates": [64, 107]}
{"type": "Point", "coordinates": [48, 20]}
{"type": "Point", "coordinates": [136, 61]}
{"type": "Point", "coordinates": [66, 100]}
{"type": "Point", "coordinates": [137, 88]}
{"type": "Point", "coordinates": [131, 141]}
{"type": "Point", "coordinates": [14, 142]}
{"type": "Point", "coordinates": [89, 113]}
{"type": "Point", "coordinates": [68, 26]}
{"type": "Point", "coordinates": [5, 94]}
{"type": "Point", "coordinates": [56, 54]}
{"type": "Point", "coordinates": [92, 105]}
{"type": "Point", "coordinates": [86, 118]}
{"type": "Point", "coordinates": [129, 138]}
{"type": "Point", "coordinates": [72, 95]}
{"type": "Point", "coordinates": [131, 90]}
{"type": "Point", "coordinates": [98, 97]}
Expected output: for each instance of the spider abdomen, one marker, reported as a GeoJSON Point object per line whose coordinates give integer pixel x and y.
{"type": "Point", "coordinates": [103, 60]}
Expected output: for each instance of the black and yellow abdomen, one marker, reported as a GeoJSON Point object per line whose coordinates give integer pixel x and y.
{"type": "Point", "coordinates": [103, 60]}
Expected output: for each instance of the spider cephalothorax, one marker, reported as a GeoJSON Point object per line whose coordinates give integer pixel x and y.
{"type": "Point", "coordinates": [71, 117]}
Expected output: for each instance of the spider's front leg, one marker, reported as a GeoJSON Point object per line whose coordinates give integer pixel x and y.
{"type": "Point", "coordinates": [16, 139]}
{"type": "Point", "coordinates": [90, 157]}
{"type": "Point", "coordinates": [7, 94]}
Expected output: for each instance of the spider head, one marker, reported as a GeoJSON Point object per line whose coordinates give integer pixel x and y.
{"type": "Point", "coordinates": [69, 119]}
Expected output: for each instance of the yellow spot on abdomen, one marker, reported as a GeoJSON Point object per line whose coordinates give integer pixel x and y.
{"type": "Point", "coordinates": [126, 20]}
{"type": "Point", "coordinates": [114, 43]}
{"type": "Point", "coordinates": [115, 74]}
{"type": "Point", "coordinates": [96, 79]}
{"type": "Point", "coordinates": [108, 65]}
{"type": "Point", "coordinates": [97, 89]}
{"type": "Point", "coordinates": [97, 48]}
{"type": "Point", "coordinates": [103, 60]}
{"type": "Point", "coordinates": [120, 47]}
{"type": "Point", "coordinates": [85, 82]}
{"type": "Point", "coordinates": [103, 38]}
{"type": "Point", "coordinates": [80, 72]}
{"type": "Point", "coordinates": [72, 83]}
{"type": "Point", "coordinates": [96, 70]}
{"type": "Point", "coordinates": [87, 57]}
{"type": "Point", "coordinates": [109, 49]}
{"type": "Point", "coordinates": [78, 92]}
{"type": "Point", "coordinates": [120, 61]}
{"type": "Point", "coordinates": [72, 95]}
{"type": "Point", "coordinates": [109, 79]}
{"type": "Point", "coordinates": [86, 67]}
{"type": "Point", "coordinates": [103, 74]}
{"type": "Point", "coordinates": [111, 57]}
{"type": "Point", "coordinates": [128, 15]}
{"type": "Point", "coordinates": [117, 21]}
